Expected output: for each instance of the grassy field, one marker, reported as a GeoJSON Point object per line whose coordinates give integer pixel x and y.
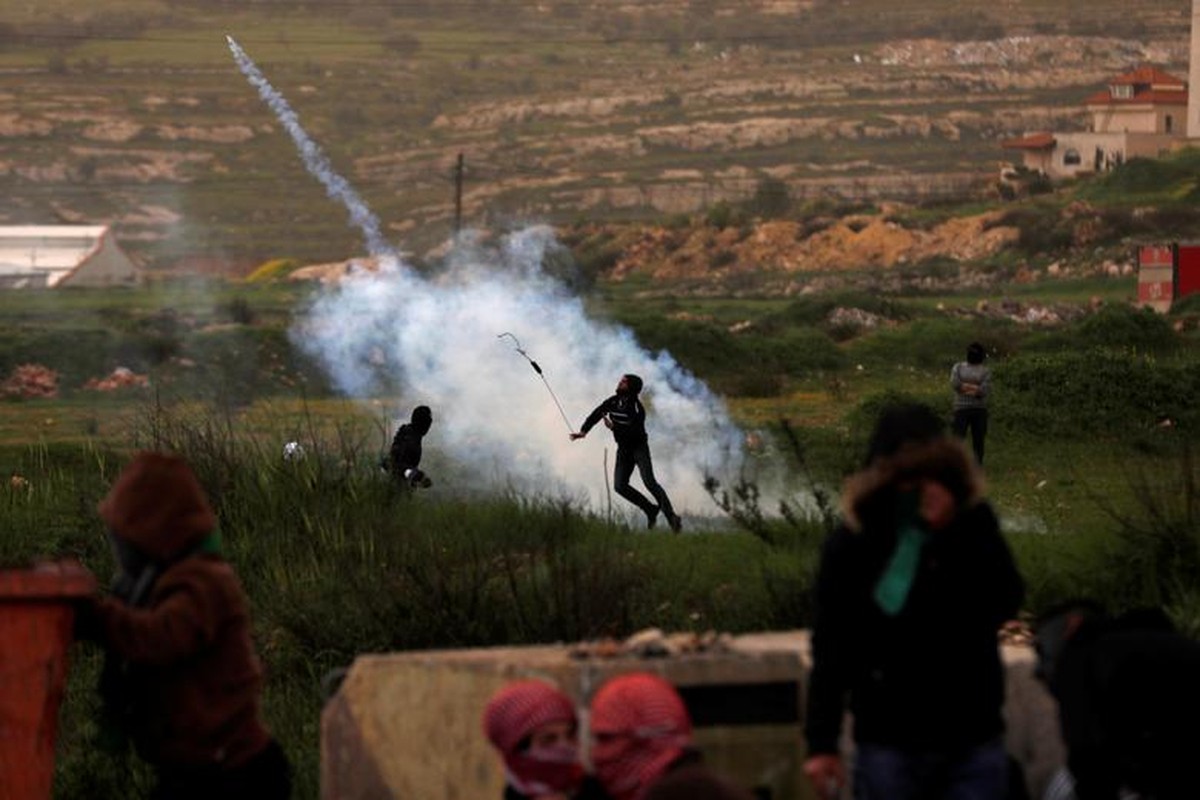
{"type": "Point", "coordinates": [1095, 491]}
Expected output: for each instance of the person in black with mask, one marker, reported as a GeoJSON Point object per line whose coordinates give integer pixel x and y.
{"type": "Point", "coordinates": [404, 458]}
{"type": "Point", "coordinates": [625, 415]}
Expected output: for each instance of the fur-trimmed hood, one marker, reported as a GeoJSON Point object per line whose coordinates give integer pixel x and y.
{"type": "Point", "coordinates": [869, 492]}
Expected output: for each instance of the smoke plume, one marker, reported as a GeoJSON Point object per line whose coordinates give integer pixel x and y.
{"type": "Point", "coordinates": [440, 340]}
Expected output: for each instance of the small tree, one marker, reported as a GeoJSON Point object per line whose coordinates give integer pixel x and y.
{"type": "Point", "coordinates": [771, 199]}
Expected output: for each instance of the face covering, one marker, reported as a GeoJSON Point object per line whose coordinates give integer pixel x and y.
{"type": "Point", "coordinates": [545, 770]}
{"type": "Point", "coordinates": [627, 765]}
{"type": "Point", "coordinates": [891, 592]}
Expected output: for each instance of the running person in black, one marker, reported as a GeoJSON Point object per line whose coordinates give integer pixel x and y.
{"type": "Point", "coordinates": [624, 414]}
{"type": "Point", "coordinates": [404, 458]}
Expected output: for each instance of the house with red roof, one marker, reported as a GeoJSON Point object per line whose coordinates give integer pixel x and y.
{"type": "Point", "coordinates": [1142, 113]}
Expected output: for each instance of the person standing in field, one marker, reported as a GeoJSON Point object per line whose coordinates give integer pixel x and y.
{"type": "Point", "coordinates": [625, 415]}
{"type": "Point", "coordinates": [971, 382]}
{"type": "Point", "coordinates": [181, 678]}
{"type": "Point", "coordinates": [912, 589]}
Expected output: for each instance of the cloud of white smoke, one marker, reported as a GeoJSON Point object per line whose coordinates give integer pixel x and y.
{"type": "Point", "coordinates": [441, 340]}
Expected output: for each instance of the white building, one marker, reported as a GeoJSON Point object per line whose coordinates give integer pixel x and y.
{"type": "Point", "coordinates": [44, 256]}
{"type": "Point", "coordinates": [1138, 114]}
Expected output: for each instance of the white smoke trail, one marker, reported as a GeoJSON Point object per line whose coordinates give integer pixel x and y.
{"type": "Point", "coordinates": [314, 158]}
{"type": "Point", "coordinates": [440, 341]}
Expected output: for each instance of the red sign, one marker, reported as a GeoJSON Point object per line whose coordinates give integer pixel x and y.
{"type": "Point", "coordinates": [1189, 270]}
{"type": "Point", "coordinates": [1156, 256]}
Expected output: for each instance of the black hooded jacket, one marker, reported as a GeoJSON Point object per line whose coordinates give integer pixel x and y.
{"type": "Point", "coordinates": [627, 418]}
{"type": "Point", "coordinates": [1129, 701]}
{"type": "Point", "coordinates": [929, 677]}
{"type": "Point", "coordinates": [405, 453]}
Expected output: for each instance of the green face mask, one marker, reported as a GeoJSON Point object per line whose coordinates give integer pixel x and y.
{"type": "Point", "coordinates": [211, 544]}
{"type": "Point", "coordinates": [891, 591]}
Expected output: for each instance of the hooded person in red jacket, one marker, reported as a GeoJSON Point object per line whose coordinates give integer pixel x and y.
{"type": "Point", "coordinates": [181, 679]}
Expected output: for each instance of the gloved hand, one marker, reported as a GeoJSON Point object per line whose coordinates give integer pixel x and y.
{"type": "Point", "coordinates": [827, 773]}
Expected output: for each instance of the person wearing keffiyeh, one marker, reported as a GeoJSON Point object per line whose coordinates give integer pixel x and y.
{"type": "Point", "coordinates": [642, 744]}
{"type": "Point", "coordinates": [911, 591]}
{"type": "Point", "coordinates": [534, 728]}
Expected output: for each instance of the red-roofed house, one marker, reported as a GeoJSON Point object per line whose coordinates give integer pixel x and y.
{"type": "Point", "coordinates": [1141, 113]}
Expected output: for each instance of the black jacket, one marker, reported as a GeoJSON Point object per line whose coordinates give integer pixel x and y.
{"type": "Point", "coordinates": [628, 418]}
{"type": "Point", "coordinates": [929, 677]}
{"type": "Point", "coordinates": [1129, 704]}
{"type": "Point", "coordinates": [406, 448]}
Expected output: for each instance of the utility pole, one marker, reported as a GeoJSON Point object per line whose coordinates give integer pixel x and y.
{"type": "Point", "coordinates": [458, 187]}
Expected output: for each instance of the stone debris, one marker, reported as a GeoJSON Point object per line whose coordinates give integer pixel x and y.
{"type": "Point", "coordinates": [857, 318]}
{"type": "Point", "coordinates": [653, 643]}
{"type": "Point", "coordinates": [30, 381]}
{"type": "Point", "coordinates": [120, 378]}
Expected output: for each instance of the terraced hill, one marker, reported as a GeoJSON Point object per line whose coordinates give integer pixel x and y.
{"type": "Point", "coordinates": [135, 113]}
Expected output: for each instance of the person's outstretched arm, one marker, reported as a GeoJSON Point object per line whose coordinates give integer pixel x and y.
{"type": "Point", "coordinates": [597, 413]}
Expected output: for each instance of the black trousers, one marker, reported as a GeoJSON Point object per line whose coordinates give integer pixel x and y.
{"type": "Point", "coordinates": [975, 419]}
{"type": "Point", "coordinates": [627, 459]}
{"type": "Point", "coordinates": [266, 776]}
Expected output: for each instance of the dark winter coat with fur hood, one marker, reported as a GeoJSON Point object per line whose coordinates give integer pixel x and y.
{"type": "Point", "coordinates": [928, 677]}
{"type": "Point", "coordinates": [193, 675]}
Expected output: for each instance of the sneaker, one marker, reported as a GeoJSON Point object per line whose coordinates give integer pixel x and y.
{"type": "Point", "coordinates": [652, 518]}
{"type": "Point", "coordinates": [675, 522]}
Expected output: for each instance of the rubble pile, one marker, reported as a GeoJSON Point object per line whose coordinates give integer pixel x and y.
{"type": "Point", "coordinates": [653, 643]}
{"type": "Point", "coordinates": [30, 381]}
{"type": "Point", "coordinates": [120, 378]}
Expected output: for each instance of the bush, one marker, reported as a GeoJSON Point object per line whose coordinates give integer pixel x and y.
{"type": "Point", "coordinates": [1041, 230]}
{"type": "Point", "coordinates": [1156, 557]}
{"type": "Point", "coordinates": [1118, 327]}
{"type": "Point", "coordinates": [814, 309]}
{"type": "Point", "coordinates": [932, 344]}
{"type": "Point", "coordinates": [1098, 392]}
{"type": "Point", "coordinates": [722, 215]}
{"type": "Point", "coordinates": [771, 199]}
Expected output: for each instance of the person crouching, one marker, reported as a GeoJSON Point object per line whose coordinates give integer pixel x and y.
{"type": "Point", "coordinates": [181, 677]}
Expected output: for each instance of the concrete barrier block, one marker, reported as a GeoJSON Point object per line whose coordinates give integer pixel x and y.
{"type": "Point", "coordinates": [407, 725]}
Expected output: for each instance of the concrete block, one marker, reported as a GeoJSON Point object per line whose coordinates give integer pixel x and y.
{"type": "Point", "coordinates": [407, 725]}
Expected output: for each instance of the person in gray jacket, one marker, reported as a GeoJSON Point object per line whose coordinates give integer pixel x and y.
{"type": "Point", "coordinates": [971, 382]}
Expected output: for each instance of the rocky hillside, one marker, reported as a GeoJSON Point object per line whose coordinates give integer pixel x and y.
{"type": "Point", "coordinates": [571, 111]}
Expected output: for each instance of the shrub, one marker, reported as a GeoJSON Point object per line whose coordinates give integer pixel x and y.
{"type": "Point", "coordinates": [932, 344]}
{"type": "Point", "coordinates": [1099, 392]}
{"type": "Point", "coordinates": [1119, 327]}
{"type": "Point", "coordinates": [1041, 230]}
{"type": "Point", "coordinates": [771, 199]}
{"type": "Point", "coordinates": [1156, 557]}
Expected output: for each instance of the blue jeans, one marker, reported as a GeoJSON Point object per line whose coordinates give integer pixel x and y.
{"type": "Point", "coordinates": [889, 773]}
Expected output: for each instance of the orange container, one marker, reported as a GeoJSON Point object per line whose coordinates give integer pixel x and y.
{"type": "Point", "coordinates": [36, 616]}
